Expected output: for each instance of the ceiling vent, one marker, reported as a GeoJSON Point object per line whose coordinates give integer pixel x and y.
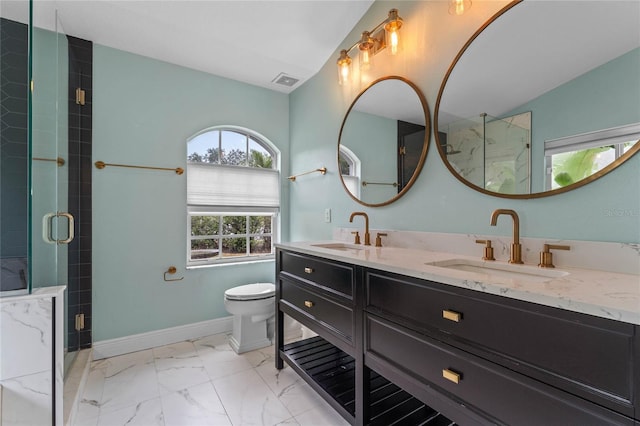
{"type": "Point", "coordinates": [285, 80]}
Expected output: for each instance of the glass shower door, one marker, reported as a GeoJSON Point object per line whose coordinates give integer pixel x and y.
{"type": "Point", "coordinates": [52, 227]}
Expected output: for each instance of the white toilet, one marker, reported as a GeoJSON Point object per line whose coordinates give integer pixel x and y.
{"type": "Point", "coordinates": [253, 308]}
{"type": "Point", "coordinates": [252, 305]}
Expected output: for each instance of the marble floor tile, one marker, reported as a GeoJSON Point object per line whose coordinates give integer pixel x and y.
{"type": "Point", "coordinates": [197, 405]}
{"type": "Point", "coordinates": [219, 358]}
{"type": "Point", "coordinates": [179, 367]}
{"type": "Point", "coordinates": [261, 356]}
{"type": "Point", "coordinates": [294, 393]}
{"type": "Point", "coordinates": [199, 382]}
{"type": "Point", "coordinates": [90, 400]}
{"type": "Point", "coordinates": [146, 413]}
{"type": "Point", "coordinates": [249, 401]}
{"type": "Point", "coordinates": [119, 390]}
{"type": "Point", "coordinates": [323, 415]}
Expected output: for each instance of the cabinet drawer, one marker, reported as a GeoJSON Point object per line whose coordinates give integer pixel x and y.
{"type": "Point", "coordinates": [326, 312]}
{"type": "Point", "coordinates": [584, 354]}
{"type": "Point", "coordinates": [498, 393]}
{"type": "Point", "coordinates": [332, 276]}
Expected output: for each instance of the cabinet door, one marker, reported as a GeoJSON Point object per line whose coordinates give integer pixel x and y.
{"type": "Point", "coordinates": [339, 319]}
{"type": "Point", "coordinates": [500, 394]}
{"type": "Point", "coordinates": [586, 355]}
{"type": "Point", "coordinates": [331, 276]}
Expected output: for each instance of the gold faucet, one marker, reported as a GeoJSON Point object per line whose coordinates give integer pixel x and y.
{"type": "Point", "coordinates": [367, 237]}
{"type": "Point", "coordinates": [516, 248]}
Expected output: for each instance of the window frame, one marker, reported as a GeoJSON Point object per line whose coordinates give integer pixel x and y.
{"type": "Point", "coordinates": [615, 136]}
{"type": "Point", "coordinates": [220, 236]}
{"type": "Point", "coordinates": [239, 210]}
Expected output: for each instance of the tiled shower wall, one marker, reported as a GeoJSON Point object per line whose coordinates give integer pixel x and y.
{"type": "Point", "coordinates": [79, 254]}
{"type": "Point", "coordinates": [13, 158]}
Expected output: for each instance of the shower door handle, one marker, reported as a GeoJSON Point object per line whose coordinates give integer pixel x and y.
{"type": "Point", "coordinates": [70, 228]}
{"type": "Point", "coordinates": [47, 228]}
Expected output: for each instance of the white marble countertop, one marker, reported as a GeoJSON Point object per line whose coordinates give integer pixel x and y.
{"type": "Point", "coordinates": [608, 295]}
{"type": "Point", "coordinates": [37, 293]}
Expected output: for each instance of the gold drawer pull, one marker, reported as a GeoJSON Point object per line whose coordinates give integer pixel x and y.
{"type": "Point", "coordinates": [308, 270]}
{"type": "Point", "coordinates": [308, 303]}
{"type": "Point", "coordinates": [452, 376]}
{"type": "Point", "coordinates": [451, 315]}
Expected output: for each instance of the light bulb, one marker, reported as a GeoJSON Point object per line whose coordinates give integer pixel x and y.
{"type": "Point", "coordinates": [392, 31]}
{"type": "Point", "coordinates": [344, 68]}
{"type": "Point", "coordinates": [366, 51]}
{"type": "Point", "coordinates": [393, 41]}
{"type": "Point", "coordinates": [365, 59]}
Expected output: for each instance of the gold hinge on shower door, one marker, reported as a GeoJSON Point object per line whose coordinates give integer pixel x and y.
{"type": "Point", "coordinates": [80, 96]}
{"type": "Point", "coordinates": [79, 322]}
{"type": "Point", "coordinates": [403, 150]}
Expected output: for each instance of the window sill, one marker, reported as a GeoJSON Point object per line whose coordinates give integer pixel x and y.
{"type": "Point", "coordinates": [222, 264]}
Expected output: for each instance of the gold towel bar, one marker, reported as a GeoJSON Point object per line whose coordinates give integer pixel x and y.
{"type": "Point", "coordinates": [59, 160]}
{"type": "Point", "coordinates": [322, 170]}
{"type": "Point", "coordinates": [101, 165]}
{"type": "Point", "coordinates": [365, 183]}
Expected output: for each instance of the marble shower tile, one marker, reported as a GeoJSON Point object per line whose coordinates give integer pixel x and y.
{"type": "Point", "coordinates": [30, 323]}
{"type": "Point", "coordinates": [197, 405]}
{"type": "Point", "coordinates": [26, 400]}
{"type": "Point", "coordinates": [249, 401]}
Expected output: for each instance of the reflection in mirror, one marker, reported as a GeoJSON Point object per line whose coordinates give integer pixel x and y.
{"type": "Point", "coordinates": [525, 113]}
{"type": "Point", "coordinates": [383, 141]}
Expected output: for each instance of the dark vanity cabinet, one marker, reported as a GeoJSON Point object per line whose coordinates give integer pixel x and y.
{"type": "Point", "coordinates": [427, 351]}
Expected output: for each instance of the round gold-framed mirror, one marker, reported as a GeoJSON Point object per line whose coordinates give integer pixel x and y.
{"type": "Point", "coordinates": [543, 98]}
{"type": "Point", "coordinates": [383, 141]}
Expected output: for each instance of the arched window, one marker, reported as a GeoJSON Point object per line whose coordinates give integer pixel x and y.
{"type": "Point", "coordinates": [233, 196]}
{"type": "Point", "coordinates": [350, 170]}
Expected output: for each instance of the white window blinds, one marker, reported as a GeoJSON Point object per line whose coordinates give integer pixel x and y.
{"type": "Point", "coordinates": [221, 185]}
{"type": "Point", "coordinates": [615, 135]}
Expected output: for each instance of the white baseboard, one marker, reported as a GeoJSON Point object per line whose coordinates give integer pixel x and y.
{"type": "Point", "coordinates": [167, 336]}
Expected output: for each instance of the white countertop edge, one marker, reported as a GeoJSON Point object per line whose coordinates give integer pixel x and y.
{"type": "Point", "coordinates": [558, 292]}
{"type": "Point", "coordinates": [38, 293]}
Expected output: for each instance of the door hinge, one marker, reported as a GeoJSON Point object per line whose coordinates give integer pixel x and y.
{"type": "Point", "coordinates": [403, 150]}
{"type": "Point", "coordinates": [80, 94]}
{"type": "Point", "coordinates": [79, 322]}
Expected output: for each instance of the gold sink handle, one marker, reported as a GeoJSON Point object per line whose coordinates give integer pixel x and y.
{"type": "Point", "coordinates": [356, 237]}
{"type": "Point", "coordinates": [546, 257]}
{"type": "Point", "coordinates": [488, 250]}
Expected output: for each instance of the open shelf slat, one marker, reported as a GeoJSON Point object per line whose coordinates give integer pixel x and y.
{"type": "Point", "coordinates": [332, 372]}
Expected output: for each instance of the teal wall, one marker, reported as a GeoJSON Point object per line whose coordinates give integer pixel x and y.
{"type": "Point", "coordinates": [373, 140]}
{"type": "Point", "coordinates": [144, 111]}
{"type": "Point", "coordinates": [607, 96]}
{"type": "Point", "coordinates": [605, 210]}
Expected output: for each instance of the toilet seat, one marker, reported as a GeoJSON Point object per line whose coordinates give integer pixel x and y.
{"type": "Point", "coordinates": [257, 291]}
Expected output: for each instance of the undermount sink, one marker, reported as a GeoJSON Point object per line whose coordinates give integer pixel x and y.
{"type": "Point", "coordinates": [339, 246]}
{"type": "Point", "coordinates": [505, 270]}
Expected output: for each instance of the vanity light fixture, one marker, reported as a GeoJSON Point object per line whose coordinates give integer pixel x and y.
{"type": "Point", "coordinates": [458, 7]}
{"type": "Point", "coordinates": [371, 42]}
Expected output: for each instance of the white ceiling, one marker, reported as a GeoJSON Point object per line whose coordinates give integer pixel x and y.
{"type": "Point", "coordinates": [250, 41]}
